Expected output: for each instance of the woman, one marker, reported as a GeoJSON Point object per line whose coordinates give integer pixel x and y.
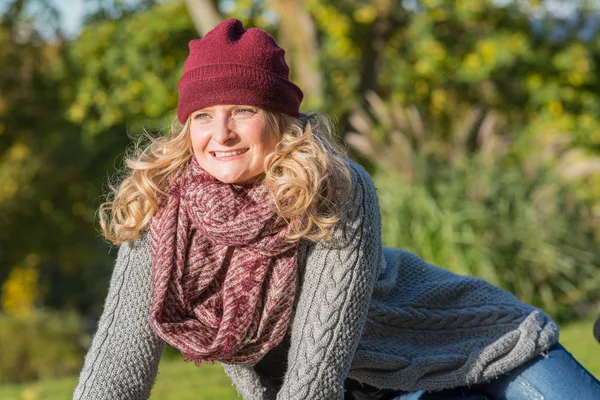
{"type": "Point", "coordinates": [246, 239]}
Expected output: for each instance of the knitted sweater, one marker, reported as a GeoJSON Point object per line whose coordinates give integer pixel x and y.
{"type": "Point", "coordinates": [378, 315]}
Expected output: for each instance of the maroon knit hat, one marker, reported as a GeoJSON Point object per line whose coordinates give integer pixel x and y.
{"type": "Point", "coordinates": [232, 65]}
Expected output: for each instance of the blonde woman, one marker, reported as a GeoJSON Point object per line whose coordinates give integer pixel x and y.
{"type": "Point", "coordinates": [247, 239]}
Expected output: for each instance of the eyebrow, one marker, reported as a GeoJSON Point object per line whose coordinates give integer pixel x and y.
{"type": "Point", "coordinates": [230, 106]}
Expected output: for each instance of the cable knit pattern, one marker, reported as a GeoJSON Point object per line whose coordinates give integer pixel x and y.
{"type": "Point", "coordinates": [333, 303]}
{"type": "Point", "coordinates": [380, 316]}
{"type": "Point", "coordinates": [430, 329]}
{"type": "Point", "coordinates": [123, 359]}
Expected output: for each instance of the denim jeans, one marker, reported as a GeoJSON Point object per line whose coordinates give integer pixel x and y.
{"type": "Point", "coordinates": [554, 376]}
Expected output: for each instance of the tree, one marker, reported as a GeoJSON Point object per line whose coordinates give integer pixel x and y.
{"type": "Point", "coordinates": [204, 15]}
{"type": "Point", "coordinates": [69, 109]}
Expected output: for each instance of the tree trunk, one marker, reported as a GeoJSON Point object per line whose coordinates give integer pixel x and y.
{"type": "Point", "coordinates": [204, 15]}
{"type": "Point", "coordinates": [390, 18]}
{"type": "Point", "coordinates": [381, 30]}
{"type": "Point", "coordinates": [298, 36]}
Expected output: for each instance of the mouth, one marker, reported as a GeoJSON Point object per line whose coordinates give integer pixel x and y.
{"type": "Point", "coordinates": [225, 154]}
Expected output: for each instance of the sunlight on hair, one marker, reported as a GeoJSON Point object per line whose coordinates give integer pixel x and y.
{"type": "Point", "coordinates": [306, 176]}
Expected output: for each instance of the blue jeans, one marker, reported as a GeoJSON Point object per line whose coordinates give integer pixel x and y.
{"type": "Point", "coordinates": [555, 376]}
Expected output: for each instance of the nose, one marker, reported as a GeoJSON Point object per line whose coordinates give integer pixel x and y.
{"type": "Point", "coordinates": [223, 130]}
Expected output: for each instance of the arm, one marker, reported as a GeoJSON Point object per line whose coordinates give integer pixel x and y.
{"type": "Point", "coordinates": [334, 299]}
{"type": "Point", "coordinates": [123, 359]}
{"type": "Point", "coordinates": [249, 384]}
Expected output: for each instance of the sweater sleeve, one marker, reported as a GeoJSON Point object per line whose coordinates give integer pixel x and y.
{"type": "Point", "coordinates": [333, 302]}
{"type": "Point", "coordinates": [123, 360]}
{"type": "Point", "coordinates": [249, 384]}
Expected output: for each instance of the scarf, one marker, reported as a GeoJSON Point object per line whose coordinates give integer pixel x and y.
{"type": "Point", "coordinates": [223, 275]}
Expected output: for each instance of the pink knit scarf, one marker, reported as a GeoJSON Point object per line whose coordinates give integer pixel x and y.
{"type": "Point", "coordinates": [224, 278]}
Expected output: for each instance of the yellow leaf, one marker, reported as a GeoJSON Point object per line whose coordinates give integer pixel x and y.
{"type": "Point", "coordinates": [556, 108]}
{"type": "Point", "coordinates": [438, 99]}
{"type": "Point", "coordinates": [365, 14]}
{"type": "Point", "coordinates": [488, 50]}
{"type": "Point", "coordinates": [19, 152]}
{"type": "Point", "coordinates": [473, 61]}
{"type": "Point", "coordinates": [575, 79]}
{"type": "Point", "coordinates": [19, 291]}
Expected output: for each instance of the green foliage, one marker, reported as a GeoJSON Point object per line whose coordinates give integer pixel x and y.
{"type": "Point", "coordinates": [49, 180]}
{"type": "Point", "coordinates": [445, 57]}
{"type": "Point", "coordinates": [478, 212]}
{"type": "Point", "coordinates": [68, 107]}
{"type": "Point", "coordinates": [479, 179]}
{"type": "Point", "coordinates": [43, 345]}
{"type": "Point", "coordinates": [66, 110]}
{"type": "Point", "coordinates": [525, 234]}
{"type": "Point", "coordinates": [134, 82]}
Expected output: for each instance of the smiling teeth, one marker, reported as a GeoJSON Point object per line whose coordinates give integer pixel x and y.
{"type": "Point", "coordinates": [228, 153]}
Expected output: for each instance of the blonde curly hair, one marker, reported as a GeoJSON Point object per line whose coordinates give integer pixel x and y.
{"type": "Point", "coordinates": [305, 174]}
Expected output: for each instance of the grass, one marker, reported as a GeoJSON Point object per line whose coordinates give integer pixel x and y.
{"type": "Point", "coordinates": [577, 338]}
{"type": "Point", "coordinates": [184, 381]}
{"type": "Point", "coordinates": [207, 382]}
{"type": "Point", "coordinates": [176, 380]}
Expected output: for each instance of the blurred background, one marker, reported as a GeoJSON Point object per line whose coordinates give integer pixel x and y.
{"type": "Point", "coordinates": [478, 120]}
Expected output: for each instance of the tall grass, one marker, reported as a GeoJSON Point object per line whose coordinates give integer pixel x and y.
{"type": "Point", "coordinates": [44, 345]}
{"type": "Point", "coordinates": [469, 204]}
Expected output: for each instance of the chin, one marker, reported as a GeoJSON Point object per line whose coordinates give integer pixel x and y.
{"type": "Point", "coordinates": [239, 180]}
{"type": "Point", "coordinates": [233, 176]}
{"type": "Point", "coordinates": [230, 179]}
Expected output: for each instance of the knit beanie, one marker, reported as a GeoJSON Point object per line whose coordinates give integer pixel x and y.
{"type": "Point", "coordinates": [232, 65]}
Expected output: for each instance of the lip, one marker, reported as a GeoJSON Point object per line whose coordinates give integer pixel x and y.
{"type": "Point", "coordinates": [228, 158]}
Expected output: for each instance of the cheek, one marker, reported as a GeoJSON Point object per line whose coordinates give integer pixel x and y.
{"type": "Point", "coordinates": [268, 142]}
{"type": "Point", "coordinates": [199, 140]}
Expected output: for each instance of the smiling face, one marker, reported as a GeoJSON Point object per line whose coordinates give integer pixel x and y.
{"type": "Point", "coordinates": [231, 142]}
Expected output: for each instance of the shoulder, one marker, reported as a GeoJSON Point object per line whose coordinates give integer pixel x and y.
{"type": "Point", "coordinates": [134, 256]}
{"type": "Point", "coordinates": [140, 244]}
{"type": "Point", "coordinates": [363, 194]}
{"type": "Point", "coordinates": [357, 209]}
{"type": "Point", "coordinates": [357, 172]}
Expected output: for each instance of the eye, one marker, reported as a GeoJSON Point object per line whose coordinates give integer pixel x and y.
{"type": "Point", "coordinates": [201, 116]}
{"type": "Point", "coordinates": [245, 111]}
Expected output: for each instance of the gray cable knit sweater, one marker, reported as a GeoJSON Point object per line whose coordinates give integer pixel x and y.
{"type": "Point", "coordinates": [378, 315]}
